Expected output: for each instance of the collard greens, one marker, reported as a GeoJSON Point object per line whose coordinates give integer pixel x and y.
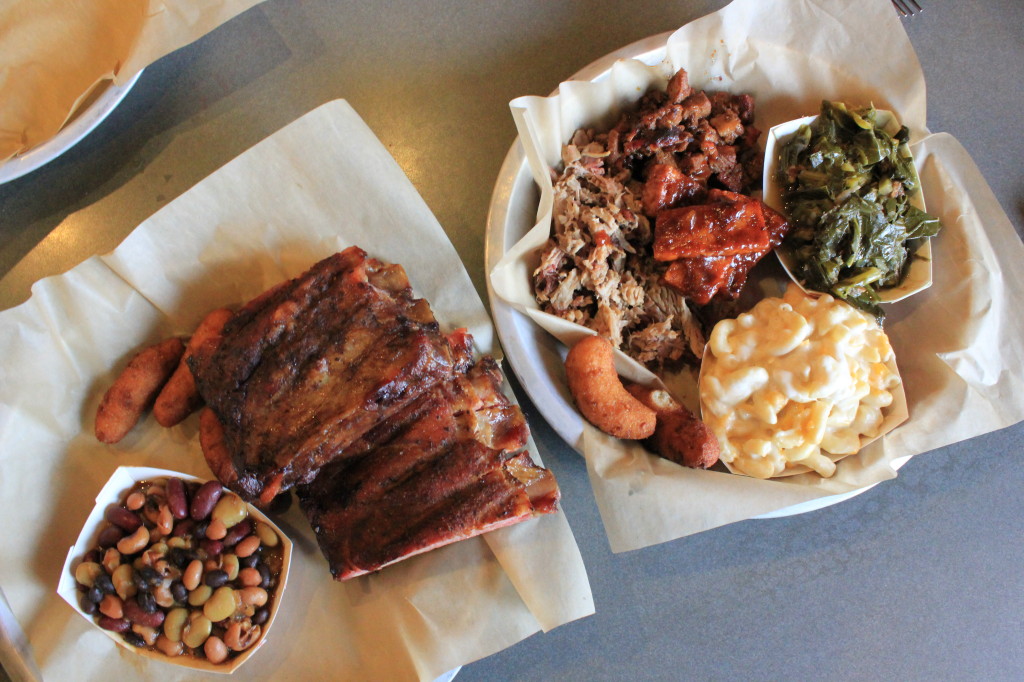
{"type": "Point", "coordinates": [846, 186]}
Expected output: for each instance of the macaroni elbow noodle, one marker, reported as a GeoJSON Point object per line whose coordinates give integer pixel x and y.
{"type": "Point", "coordinates": [795, 384]}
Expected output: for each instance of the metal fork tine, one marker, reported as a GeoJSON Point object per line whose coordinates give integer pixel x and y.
{"type": "Point", "coordinates": [914, 7]}
{"type": "Point", "coordinates": [899, 7]}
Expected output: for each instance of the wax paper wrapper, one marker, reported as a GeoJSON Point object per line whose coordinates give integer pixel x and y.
{"type": "Point", "coordinates": [57, 53]}
{"type": "Point", "coordinates": [315, 187]}
{"type": "Point", "coordinates": [956, 344]}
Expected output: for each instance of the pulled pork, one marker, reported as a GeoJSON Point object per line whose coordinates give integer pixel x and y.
{"type": "Point", "coordinates": [597, 269]}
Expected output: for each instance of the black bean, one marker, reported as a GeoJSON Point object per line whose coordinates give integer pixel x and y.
{"type": "Point", "coordinates": [265, 574]}
{"type": "Point", "coordinates": [216, 578]}
{"type": "Point", "coordinates": [200, 529]}
{"type": "Point", "coordinates": [179, 591]}
{"type": "Point", "coordinates": [151, 576]}
{"type": "Point", "coordinates": [261, 615]}
{"type": "Point", "coordinates": [94, 594]}
{"type": "Point", "coordinates": [177, 557]}
{"type": "Point", "coordinates": [87, 604]}
{"type": "Point", "coordinates": [249, 561]}
{"type": "Point", "coordinates": [134, 638]}
{"type": "Point", "coordinates": [104, 582]}
{"type": "Point", "coordinates": [92, 556]}
{"type": "Point", "coordinates": [146, 601]}
{"type": "Point", "coordinates": [140, 582]}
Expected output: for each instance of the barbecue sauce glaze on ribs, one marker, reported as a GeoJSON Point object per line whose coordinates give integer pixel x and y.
{"type": "Point", "coordinates": [340, 381]}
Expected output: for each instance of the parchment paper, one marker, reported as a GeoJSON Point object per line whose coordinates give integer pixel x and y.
{"type": "Point", "coordinates": [313, 188]}
{"type": "Point", "coordinates": [55, 53]}
{"type": "Point", "coordinates": [957, 344]}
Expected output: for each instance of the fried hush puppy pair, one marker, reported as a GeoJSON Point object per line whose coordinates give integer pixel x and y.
{"type": "Point", "coordinates": [156, 377]}
{"type": "Point", "coordinates": [635, 412]}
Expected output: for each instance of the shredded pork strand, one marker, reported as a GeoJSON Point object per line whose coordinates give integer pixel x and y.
{"type": "Point", "coordinates": [596, 270]}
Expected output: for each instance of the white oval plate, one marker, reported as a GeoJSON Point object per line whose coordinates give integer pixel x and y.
{"type": "Point", "coordinates": [534, 355]}
{"type": "Point", "coordinates": [81, 125]}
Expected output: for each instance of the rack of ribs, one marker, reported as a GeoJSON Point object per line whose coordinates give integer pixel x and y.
{"type": "Point", "coordinates": [340, 381]}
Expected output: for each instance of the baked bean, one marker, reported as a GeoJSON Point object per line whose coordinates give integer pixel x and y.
{"type": "Point", "coordinates": [124, 519]}
{"type": "Point", "coordinates": [200, 595]}
{"type": "Point", "coordinates": [169, 647]}
{"type": "Point", "coordinates": [215, 649]}
{"type": "Point", "coordinates": [250, 577]}
{"type": "Point", "coordinates": [135, 501]}
{"type": "Point", "coordinates": [174, 622]}
{"type": "Point", "coordinates": [163, 596]}
{"type": "Point", "coordinates": [193, 574]}
{"type": "Point", "coordinates": [112, 606]}
{"type": "Point", "coordinates": [229, 564]}
{"type": "Point", "coordinates": [267, 535]}
{"type": "Point", "coordinates": [205, 499]}
{"type": "Point", "coordinates": [87, 572]}
{"type": "Point", "coordinates": [221, 605]}
{"type": "Point", "coordinates": [123, 583]}
{"type": "Point", "coordinates": [196, 630]}
{"type": "Point", "coordinates": [111, 560]}
{"type": "Point", "coordinates": [230, 510]}
{"type": "Point", "coordinates": [164, 520]}
{"type": "Point", "coordinates": [148, 635]}
{"type": "Point", "coordinates": [177, 500]}
{"type": "Point", "coordinates": [240, 635]}
{"type": "Point", "coordinates": [216, 530]}
{"type": "Point", "coordinates": [135, 542]}
{"type": "Point", "coordinates": [247, 546]}
{"type": "Point", "coordinates": [253, 596]}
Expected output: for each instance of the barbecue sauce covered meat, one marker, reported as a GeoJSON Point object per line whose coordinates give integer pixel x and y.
{"type": "Point", "coordinates": [340, 381]}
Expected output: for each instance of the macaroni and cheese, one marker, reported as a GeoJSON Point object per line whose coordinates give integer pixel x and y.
{"type": "Point", "coordinates": [796, 384]}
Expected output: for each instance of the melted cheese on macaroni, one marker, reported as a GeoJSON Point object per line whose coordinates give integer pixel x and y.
{"type": "Point", "coordinates": [796, 381]}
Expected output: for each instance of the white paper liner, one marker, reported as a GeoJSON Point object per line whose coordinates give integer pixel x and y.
{"type": "Point", "coordinates": [315, 187]}
{"type": "Point", "coordinates": [113, 492]}
{"type": "Point", "coordinates": [960, 376]}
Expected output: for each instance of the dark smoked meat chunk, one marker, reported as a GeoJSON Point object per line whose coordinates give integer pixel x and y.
{"type": "Point", "coordinates": [300, 374]}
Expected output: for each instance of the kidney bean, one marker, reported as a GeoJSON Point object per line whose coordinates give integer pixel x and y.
{"type": "Point", "coordinates": [109, 536]}
{"type": "Point", "coordinates": [184, 528]}
{"type": "Point", "coordinates": [211, 547]}
{"type": "Point", "coordinates": [114, 624]}
{"type": "Point", "coordinates": [177, 499]}
{"type": "Point", "coordinates": [135, 613]}
{"type": "Point", "coordinates": [205, 499]}
{"type": "Point", "coordinates": [237, 532]}
{"type": "Point", "coordinates": [124, 519]}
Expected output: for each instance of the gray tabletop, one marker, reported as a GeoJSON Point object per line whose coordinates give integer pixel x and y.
{"type": "Point", "coordinates": [919, 578]}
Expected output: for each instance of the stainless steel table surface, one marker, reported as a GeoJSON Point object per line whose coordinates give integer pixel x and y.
{"type": "Point", "coordinates": [919, 578]}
